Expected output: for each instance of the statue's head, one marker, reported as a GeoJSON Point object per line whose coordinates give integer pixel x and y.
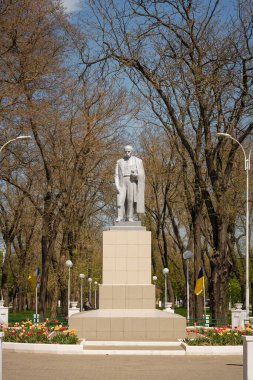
{"type": "Point", "coordinates": [128, 149]}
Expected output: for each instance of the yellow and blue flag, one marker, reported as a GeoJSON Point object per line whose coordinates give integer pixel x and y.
{"type": "Point", "coordinates": [34, 279]}
{"type": "Point", "coordinates": [37, 277]}
{"type": "Point", "coordinates": [200, 283]}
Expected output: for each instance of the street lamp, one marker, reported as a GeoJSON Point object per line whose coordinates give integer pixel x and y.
{"type": "Point", "coordinates": [247, 168]}
{"type": "Point", "coordinates": [82, 277]}
{"type": "Point", "coordinates": [90, 281]}
{"type": "Point", "coordinates": [187, 255]}
{"type": "Point", "coordinates": [15, 139]}
{"type": "Point", "coordinates": [1, 355]}
{"type": "Point", "coordinates": [154, 281]}
{"type": "Point", "coordinates": [165, 272]}
{"type": "Point", "coordinates": [69, 265]}
{"type": "Point", "coordinates": [95, 285]}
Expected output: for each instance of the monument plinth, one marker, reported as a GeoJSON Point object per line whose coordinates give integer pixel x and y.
{"type": "Point", "coordinates": [126, 296]}
{"type": "Point", "coordinates": [127, 268]}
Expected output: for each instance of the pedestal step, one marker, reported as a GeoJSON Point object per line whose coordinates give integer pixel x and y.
{"type": "Point", "coordinates": [133, 348]}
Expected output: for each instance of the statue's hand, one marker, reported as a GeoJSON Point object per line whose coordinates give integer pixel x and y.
{"type": "Point", "coordinates": [134, 178]}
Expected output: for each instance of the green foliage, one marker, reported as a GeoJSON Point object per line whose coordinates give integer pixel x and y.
{"type": "Point", "coordinates": [177, 280]}
{"type": "Point", "coordinates": [234, 291]}
{"type": "Point", "coordinates": [67, 338]}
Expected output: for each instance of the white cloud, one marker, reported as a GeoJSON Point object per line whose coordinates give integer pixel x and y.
{"type": "Point", "coordinates": [71, 5]}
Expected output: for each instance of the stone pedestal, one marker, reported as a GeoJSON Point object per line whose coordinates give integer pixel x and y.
{"type": "Point", "coordinates": [238, 317]}
{"type": "Point", "coordinates": [73, 310]}
{"type": "Point", "coordinates": [247, 357]}
{"type": "Point", "coordinates": [4, 315]}
{"type": "Point", "coordinates": [127, 297]}
{"type": "Point", "coordinates": [127, 268]}
{"type": "Point", "coordinates": [128, 325]}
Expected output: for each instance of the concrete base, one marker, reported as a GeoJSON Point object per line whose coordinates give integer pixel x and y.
{"type": "Point", "coordinates": [73, 310]}
{"type": "Point", "coordinates": [128, 325]}
{"type": "Point", "coordinates": [127, 297]}
{"type": "Point", "coordinates": [4, 315]}
{"type": "Point", "coordinates": [247, 357]}
{"type": "Point", "coordinates": [238, 318]}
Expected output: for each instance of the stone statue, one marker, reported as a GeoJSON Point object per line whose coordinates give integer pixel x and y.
{"type": "Point", "coordinates": [130, 183]}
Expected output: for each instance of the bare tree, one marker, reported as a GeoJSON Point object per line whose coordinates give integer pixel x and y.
{"type": "Point", "coordinates": [196, 74]}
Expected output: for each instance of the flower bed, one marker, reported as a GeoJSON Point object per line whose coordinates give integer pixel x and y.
{"type": "Point", "coordinates": [217, 336]}
{"type": "Point", "coordinates": [27, 332]}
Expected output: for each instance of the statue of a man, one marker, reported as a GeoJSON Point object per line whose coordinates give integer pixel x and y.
{"type": "Point", "coordinates": [130, 183]}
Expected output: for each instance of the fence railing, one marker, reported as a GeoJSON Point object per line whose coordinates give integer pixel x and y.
{"type": "Point", "coordinates": [208, 322]}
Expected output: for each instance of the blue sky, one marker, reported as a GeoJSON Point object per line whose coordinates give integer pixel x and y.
{"type": "Point", "coordinates": [71, 5]}
{"type": "Point", "coordinates": [227, 6]}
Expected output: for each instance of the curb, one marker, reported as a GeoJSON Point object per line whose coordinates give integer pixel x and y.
{"type": "Point", "coordinates": [79, 349]}
{"type": "Point", "coordinates": [72, 349]}
{"type": "Point", "coordinates": [212, 350]}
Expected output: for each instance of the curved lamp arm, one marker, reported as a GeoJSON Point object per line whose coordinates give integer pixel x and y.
{"type": "Point", "coordinates": [247, 160]}
{"type": "Point", "coordinates": [12, 140]}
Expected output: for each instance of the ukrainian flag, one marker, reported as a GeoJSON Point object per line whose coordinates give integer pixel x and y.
{"type": "Point", "coordinates": [34, 279]}
{"type": "Point", "coordinates": [200, 283]}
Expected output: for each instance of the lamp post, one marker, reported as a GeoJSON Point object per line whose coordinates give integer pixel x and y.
{"type": "Point", "coordinates": [95, 295]}
{"type": "Point", "coordinates": [82, 277]}
{"type": "Point", "coordinates": [1, 357]}
{"type": "Point", "coordinates": [90, 281]}
{"type": "Point", "coordinates": [187, 255]}
{"type": "Point", "coordinates": [69, 265]}
{"type": "Point", "coordinates": [165, 272]}
{"type": "Point", "coordinates": [154, 281]}
{"type": "Point", "coordinates": [247, 168]}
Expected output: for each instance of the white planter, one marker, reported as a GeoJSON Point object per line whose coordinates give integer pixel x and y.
{"type": "Point", "coordinates": [238, 305]}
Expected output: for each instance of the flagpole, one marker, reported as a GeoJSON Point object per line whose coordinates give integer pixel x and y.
{"type": "Point", "coordinates": [204, 293]}
{"type": "Point", "coordinates": [36, 293]}
{"type": "Point", "coordinates": [36, 302]}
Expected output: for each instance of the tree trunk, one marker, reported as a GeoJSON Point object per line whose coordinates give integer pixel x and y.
{"type": "Point", "coordinates": [219, 275]}
{"type": "Point", "coordinates": [5, 269]}
{"type": "Point", "coordinates": [54, 301]}
{"type": "Point", "coordinates": [61, 274]}
{"type": "Point", "coordinates": [64, 301]}
{"type": "Point", "coordinates": [198, 309]}
{"type": "Point", "coordinates": [49, 234]}
{"type": "Point", "coordinates": [44, 275]}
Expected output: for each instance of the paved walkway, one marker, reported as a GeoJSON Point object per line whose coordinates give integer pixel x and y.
{"type": "Point", "coordinates": [23, 366]}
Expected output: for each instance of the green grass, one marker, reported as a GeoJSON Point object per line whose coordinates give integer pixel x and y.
{"type": "Point", "coordinates": [181, 311]}
{"type": "Point", "coordinates": [21, 316]}
{"type": "Point", "coordinates": [24, 316]}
